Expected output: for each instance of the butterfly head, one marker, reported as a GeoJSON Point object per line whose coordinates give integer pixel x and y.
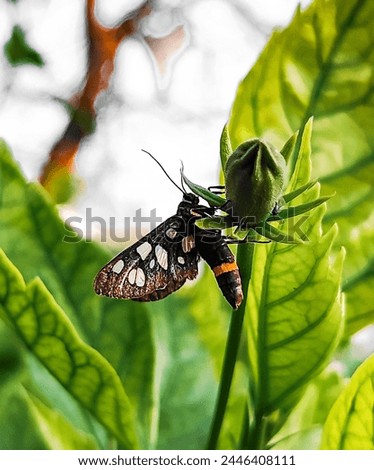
{"type": "Point", "coordinates": [187, 205]}
{"type": "Point", "coordinates": [190, 199]}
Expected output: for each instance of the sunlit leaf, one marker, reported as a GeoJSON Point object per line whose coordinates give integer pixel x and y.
{"type": "Point", "coordinates": [58, 433]}
{"type": "Point", "coordinates": [289, 147]}
{"type": "Point", "coordinates": [67, 266]}
{"type": "Point", "coordinates": [303, 427]}
{"type": "Point", "coordinates": [48, 333]}
{"type": "Point", "coordinates": [294, 314]}
{"type": "Point", "coordinates": [225, 146]}
{"type": "Point", "coordinates": [356, 295]}
{"type": "Point", "coordinates": [350, 424]}
{"type": "Point", "coordinates": [321, 65]}
{"type": "Point", "coordinates": [286, 198]}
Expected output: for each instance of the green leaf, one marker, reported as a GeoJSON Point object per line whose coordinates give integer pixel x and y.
{"type": "Point", "coordinates": [273, 233]}
{"type": "Point", "coordinates": [303, 427]}
{"type": "Point", "coordinates": [58, 433]}
{"type": "Point", "coordinates": [321, 65]}
{"type": "Point", "coordinates": [289, 147]}
{"type": "Point", "coordinates": [82, 120]}
{"type": "Point", "coordinates": [294, 315]}
{"type": "Point", "coordinates": [293, 211]}
{"type": "Point", "coordinates": [204, 193]}
{"type": "Point", "coordinates": [51, 337]}
{"type": "Point", "coordinates": [225, 146]}
{"type": "Point", "coordinates": [18, 52]}
{"type": "Point", "coordinates": [362, 312]}
{"type": "Point", "coordinates": [188, 384]}
{"type": "Point", "coordinates": [67, 266]}
{"type": "Point", "coordinates": [286, 198]}
{"type": "Point", "coordinates": [209, 309]}
{"type": "Point", "coordinates": [27, 423]}
{"type": "Point", "coordinates": [350, 424]}
{"type": "Point", "coordinates": [19, 430]}
{"type": "Point", "coordinates": [64, 186]}
{"type": "Point", "coordinates": [11, 360]}
{"type": "Point", "coordinates": [213, 222]}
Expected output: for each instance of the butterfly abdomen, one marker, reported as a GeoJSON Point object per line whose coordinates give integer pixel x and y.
{"type": "Point", "coordinates": [229, 281]}
{"type": "Point", "coordinates": [214, 250]}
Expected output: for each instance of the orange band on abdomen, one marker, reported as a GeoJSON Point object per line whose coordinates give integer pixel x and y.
{"type": "Point", "coordinates": [224, 268]}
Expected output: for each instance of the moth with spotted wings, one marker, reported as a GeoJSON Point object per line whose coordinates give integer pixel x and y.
{"type": "Point", "coordinates": [161, 262]}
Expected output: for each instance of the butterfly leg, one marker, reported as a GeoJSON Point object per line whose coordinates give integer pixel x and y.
{"type": "Point", "coordinates": [276, 209]}
{"type": "Point", "coordinates": [235, 241]}
{"type": "Point", "coordinates": [219, 189]}
{"type": "Point", "coordinates": [204, 211]}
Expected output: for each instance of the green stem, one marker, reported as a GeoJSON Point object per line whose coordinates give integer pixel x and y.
{"type": "Point", "coordinates": [257, 434]}
{"type": "Point", "coordinates": [244, 260]}
{"type": "Point", "coordinates": [245, 429]}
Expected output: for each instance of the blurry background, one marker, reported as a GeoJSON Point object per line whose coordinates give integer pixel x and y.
{"type": "Point", "coordinates": [174, 79]}
{"type": "Point", "coordinates": [171, 90]}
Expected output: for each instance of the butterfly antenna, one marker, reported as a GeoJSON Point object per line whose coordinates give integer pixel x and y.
{"type": "Point", "coordinates": [163, 169]}
{"type": "Point", "coordinates": [182, 174]}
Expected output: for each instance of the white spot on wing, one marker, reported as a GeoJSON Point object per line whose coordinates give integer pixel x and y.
{"type": "Point", "coordinates": [117, 268]}
{"type": "Point", "coordinates": [132, 276]}
{"type": "Point", "coordinates": [180, 260]}
{"type": "Point", "coordinates": [144, 249]}
{"type": "Point", "coordinates": [171, 233]}
{"type": "Point", "coordinates": [140, 277]}
{"type": "Point", "coordinates": [188, 243]}
{"type": "Point", "coordinates": [152, 263]}
{"type": "Point", "coordinates": [162, 257]}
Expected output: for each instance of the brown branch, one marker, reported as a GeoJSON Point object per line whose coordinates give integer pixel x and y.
{"type": "Point", "coordinates": [103, 44]}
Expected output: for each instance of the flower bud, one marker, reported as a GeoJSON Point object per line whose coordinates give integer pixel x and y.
{"type": "Point", "coordinates": [256, 174]}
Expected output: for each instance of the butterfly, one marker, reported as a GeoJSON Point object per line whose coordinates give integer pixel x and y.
{"type": "Point", "coordinates": [162, 261]}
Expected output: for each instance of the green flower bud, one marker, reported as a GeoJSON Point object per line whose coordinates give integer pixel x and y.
{"type": "Point", "coordinates": [256, 175]}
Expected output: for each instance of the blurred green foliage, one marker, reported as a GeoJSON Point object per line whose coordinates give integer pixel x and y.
{"type": "Point", "coordinates": [18, 52]}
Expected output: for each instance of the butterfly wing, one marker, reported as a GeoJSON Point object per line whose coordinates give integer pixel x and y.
{"type": "Point", "coordinates": [154, 267]}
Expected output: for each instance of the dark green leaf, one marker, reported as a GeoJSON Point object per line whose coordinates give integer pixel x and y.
{"type": "Point", "coordinates": [294, 211]}
{"type": "Point", "coordinates": [18, 52]}
{"type": "Point", "coordinates": [188, 384]}
{"type": "Point", "coordinates": [204, 193]}
{"type": "Point", "coordinates": [273, 233]}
